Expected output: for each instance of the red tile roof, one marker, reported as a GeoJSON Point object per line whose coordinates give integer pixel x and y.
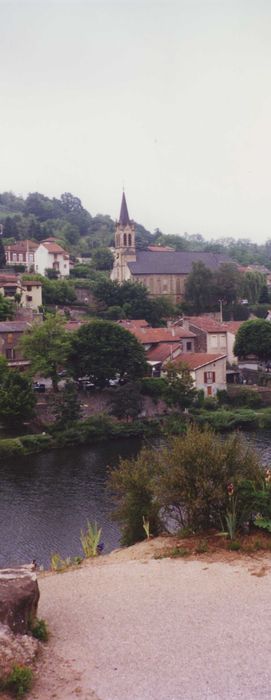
{"type": "Point", "coordinates": [133, 323]}
{"type": "Point", "coordinates": [206, 323]}
{"type": "Point", "coordinates": [163, 351]}
{"type": "Point", "coordinates": [195, 360]}
{"type": "Point", "coordinates": [232, 326]}
{"type": "Point", "coordinates": [161, 335]}
{"type": "Point", "coordinates": [22, 246]}
{"type": "Point", "coordinates": [53, 247]}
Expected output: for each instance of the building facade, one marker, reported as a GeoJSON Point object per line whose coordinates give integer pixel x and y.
{"type": "Point", "coordinates": [163, 272]}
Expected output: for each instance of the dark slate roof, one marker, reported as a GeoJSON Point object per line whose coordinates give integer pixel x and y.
{"type": "Point", "coordinates": [124, 216]}
{"type": "Point", "coordinates": [177, 262]}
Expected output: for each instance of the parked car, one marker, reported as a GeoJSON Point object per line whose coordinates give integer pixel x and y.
{"type": "Point", "coordinates": [38, 386]}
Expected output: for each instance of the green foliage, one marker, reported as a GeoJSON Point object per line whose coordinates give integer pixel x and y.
{"type": "Point", "coordinates": [17, 399]}
{"type": "Point", "coordinates": [90, 540]}
{"type": "Point", "coordinates": [234, 546]}
{"type": "Point", "coordinates": [47, 345]}
{"type": "Point", "coordinates": [114, 313]}
{"type": "Point", "coordinates": [6, 308]}
{"type": "Point", "coordinates": [252, 285]}
{"type": "Point", "coordinates": [102, 259]}
{"type": "Point", "coordinates": [134, 299]}
{"type": "Point", "coordinates": [102, 349]}
{"type": "Point", "coordinates": [263, 523]}
{"type": "Point", "coordinates": [179, 552]}
{"type": "Point", "coordinates": [10, 447]}
{"type": "Point", "coordinates": [126, 401]}
{"type": "Point", "coordinates": [204, 288]}
{"type": "Point", "coordinates": [57, 292]}
{"type": "Point", "coordinates": [193, 475]}
{"type": "Point", "coordinates": [19, 681]}
{"type": "Point", "coordinates": [153, 387]}
{"type": "Point", "coordinates": [179, 389]}
{"type": "Point", "coordinates": [39, 630]}
{"type": "Point", "coordinates": [132, 487]}
{"type": "Point", "coordinates": [254, 338]}
{"type": "Point", "coordinates": [202, 547]}
{"type": "Point", "coordinates": [66, 406]}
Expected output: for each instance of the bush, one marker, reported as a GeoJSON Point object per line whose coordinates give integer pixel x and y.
{"type": "Point", "coordinates": [210, 404]}
{"type": "Point", "coordinates": [153, 387]}
{"type": "Point", "coordinates": [245, 397]}
{"type": "Point", "coordinates": [11, 447]}
{"type": "Point", "coordinates": [193, 475]}
{"type": "Point", "coordinates": [19, 681]}
{"type": "Point", "coordinates": [39, 630]}
{"type": "Point", "coordinates": [132, 487]}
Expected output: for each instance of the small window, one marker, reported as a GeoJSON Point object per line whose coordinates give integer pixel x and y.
{"type": "Point", "coordinates": [10, 354]}
{"type": "Point", "coordinates": [31, 257]}
{"type": "Point", "coordinates": [14, 257]}
{"type": "Point", "coordinates": [125, 239]}
{"type": "Point", "coordinates": [189, 345]}
{"type": "Point", "coordinates": [29, 298]}
{"type": "Point", "coordinates": [129, 239]}
{"type": "Point", "coordinates": [21, 257]}
{"type": "Point", "coordinates": [214, 341]}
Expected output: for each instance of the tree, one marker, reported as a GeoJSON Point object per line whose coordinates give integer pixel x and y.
{"type": "Point", "coordinates": [46, 345]}
{"type": "Point", "coordinates": [2, 255]}
{"type": "Point", "coordinates": [102, 349]}
{"type": "Point", "coordinates": [264, 295]}
{"type": "Point", "coordinates": [6, 308]}
{"type": "Point", "coordinates": [226, 283]}
{"type": "Point", "coordinates": [254, 338]}
{"type": "Point", "coordinates": [17, 399]}
{"type": "Point", "coordinates": [198, 287]}
{"type": "Point", "coordinates": [179, 390]}
{"type": "Point", "coordinates": [126, 402]}
{"type": "Point", "coordinates": [66, 406]}
{"type": "Point", "coordinates": [10, 229]}
{"type": "Point", "coordinates": [251, 285]}
{"type": "Point", "coordinates": [103, 259]}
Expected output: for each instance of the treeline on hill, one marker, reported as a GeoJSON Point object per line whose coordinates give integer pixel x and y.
{"type": "Point", "coordinates": [37, 217]}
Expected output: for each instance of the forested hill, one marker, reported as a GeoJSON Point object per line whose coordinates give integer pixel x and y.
{"type": "Point", "coordinates": [37, 217]}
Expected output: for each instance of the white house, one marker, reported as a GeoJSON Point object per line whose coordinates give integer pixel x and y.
{"type": "Point", "coordinates": [51, 256]}
{"type": "Point", "coordinates": [208, 371]}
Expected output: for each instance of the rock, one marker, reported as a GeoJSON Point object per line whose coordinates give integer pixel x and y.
{"type": "Point", "coordinates": [15, 649]}
{"type": "Point", "coordinates": [19, 597]}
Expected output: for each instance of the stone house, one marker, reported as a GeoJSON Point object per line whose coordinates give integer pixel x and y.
{"type": "Point", "coordinates": [22, 253]}
{"type": "Point", "coordinates": [27, 293]}
{"type": "Point", "coordinates": [10, 335]}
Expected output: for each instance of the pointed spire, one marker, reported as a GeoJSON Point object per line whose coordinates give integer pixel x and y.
{"type": "Point", "coordinates": [124, 216]}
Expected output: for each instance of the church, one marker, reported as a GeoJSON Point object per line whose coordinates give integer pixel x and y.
{"type": "Point", "coordinates": [161, 270]}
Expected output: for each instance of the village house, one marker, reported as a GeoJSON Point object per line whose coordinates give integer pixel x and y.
{"type": "Point", "coordinates": [162, 271]}
{"type": "Point", "coordinates": [213, 336]}
{"type": "Point", "coordinates": [25, 293]}
{"type": "Point", "coordinates": [161, 344]}
{"type": "Point", "coordinates": [51, 256]}
{"type": "Point", "coordinates": [22, 253]}
{"type": "Point", "coordinates": [208, 371]}
{"type": "Point", "coordinates": [10, 335]}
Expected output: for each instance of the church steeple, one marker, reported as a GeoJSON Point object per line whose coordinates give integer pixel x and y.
{"type": "Point", "coordinates": [125, 250]}
{"type": "Point", "coordinates": [124, 216]}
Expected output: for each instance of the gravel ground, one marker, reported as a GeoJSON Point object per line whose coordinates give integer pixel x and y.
{"type": "Point", "coordinates": [137, 628]}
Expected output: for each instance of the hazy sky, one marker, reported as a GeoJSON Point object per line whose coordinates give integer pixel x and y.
{"type": "Point", "coordinates": [170, 98]}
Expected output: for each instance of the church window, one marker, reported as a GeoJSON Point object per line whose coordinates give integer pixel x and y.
{"type": "Point", "coordinates": [117, 240]}
{"type": "Point", "coordinates": [129, 239]}
{"type": "Point", "coordinates": [125, 239]}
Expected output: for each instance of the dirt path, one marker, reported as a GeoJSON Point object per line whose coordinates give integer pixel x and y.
{"type": "Point", "coordinates": [146, 629]}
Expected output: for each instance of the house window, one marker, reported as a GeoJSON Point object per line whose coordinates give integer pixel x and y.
{"type": "Point", "coordinates": [214, 341]}
{"type": "Point", "coordinates": [14, 257]}
{"type": "Point", "coordinates": [10, 338]}
{"type": "Point", "coordinates": [10, 354]}
{"type": "Point", "coordinates": [31, 257]}
{"type": "Point", "coordinates": [188, 346]}
{"type": "Point", "coordinates": [223, 341]}
{"type": "Point", "coordinates": [21, 257]}
{"type": "Point", "coordinates": [29, 298]}
{"type": "Point", "coordinates": [209, 377]}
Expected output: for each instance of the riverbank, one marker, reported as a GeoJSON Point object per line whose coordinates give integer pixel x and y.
{"type": "Point", "coordinates": [130, 626]}
{"type": "Point", "coordinates": [102, 428]}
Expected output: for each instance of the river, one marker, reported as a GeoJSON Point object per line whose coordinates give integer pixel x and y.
{"type": "Point", "coordinates": [46, 499]}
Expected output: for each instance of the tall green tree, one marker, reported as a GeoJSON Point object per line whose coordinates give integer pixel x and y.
{"type": "Point", "coordinates": [17, 399]}
{"type": "Point", "coordinates": [254, 338]}
{"type": "Point", "coordinates": [102, 349]}
{"type": "Point", "coordinates": [252, 284]}
{"type": "Point", "coordinates": [6, 308]}
{"type": "Point", "coordinates": [47, 346]}
{"type": "Point", "coordinates": [199, 287]}
{"type": "Point", "coordinates": [103, 259]}
{"type": "Point", "coordinates": [2, 255]}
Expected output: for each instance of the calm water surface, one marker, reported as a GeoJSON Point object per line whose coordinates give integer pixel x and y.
{"type": "Point", "coordinates": [46, 499]}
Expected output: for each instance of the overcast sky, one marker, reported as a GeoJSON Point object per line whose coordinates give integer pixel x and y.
{"type": "Point", "coordinates": [170, 99]}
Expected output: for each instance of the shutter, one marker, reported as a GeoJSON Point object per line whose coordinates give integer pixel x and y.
{"type": "Point", "coordinates": [213, 377]}
{"type": "Point", "coordinates": [205, 377]}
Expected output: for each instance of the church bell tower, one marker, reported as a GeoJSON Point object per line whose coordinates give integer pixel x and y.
{"type": "Point", "coordinates": [125, 250]}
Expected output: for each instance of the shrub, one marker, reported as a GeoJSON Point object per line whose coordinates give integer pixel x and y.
{"type": "Point", "coordinates": [153, 387]}
{"type": "Point", "coordinates": [39, 630]}
{"type": "Point", "coordinates": [19, 680]}
{"type": "Point", "coordinates": [193, 475]}
{"type": "Point", "coordinates": [132, 486]}
{"type": "Point", "coordinates": [210, 404]}
{"type": "Point", "coordinates": [234, 546]}
{"type": "Point", "coordinates": [90, 540]}
{"type": "Point", "coordinates": [11, 447]}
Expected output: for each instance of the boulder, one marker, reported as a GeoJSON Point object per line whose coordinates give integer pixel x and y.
{"type": "Point", "coordinates": [15, 649]}
{"type": "Point", "coordinates": [19, 597]}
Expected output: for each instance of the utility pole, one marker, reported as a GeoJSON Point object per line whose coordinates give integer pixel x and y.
{"type": "Point", "coordinates": [221, 309]}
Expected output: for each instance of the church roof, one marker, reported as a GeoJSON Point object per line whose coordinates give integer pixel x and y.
{"type": "Point", "coordinates": [177, 262]}
{"type": "Point", "coordinates": [124, 216]}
